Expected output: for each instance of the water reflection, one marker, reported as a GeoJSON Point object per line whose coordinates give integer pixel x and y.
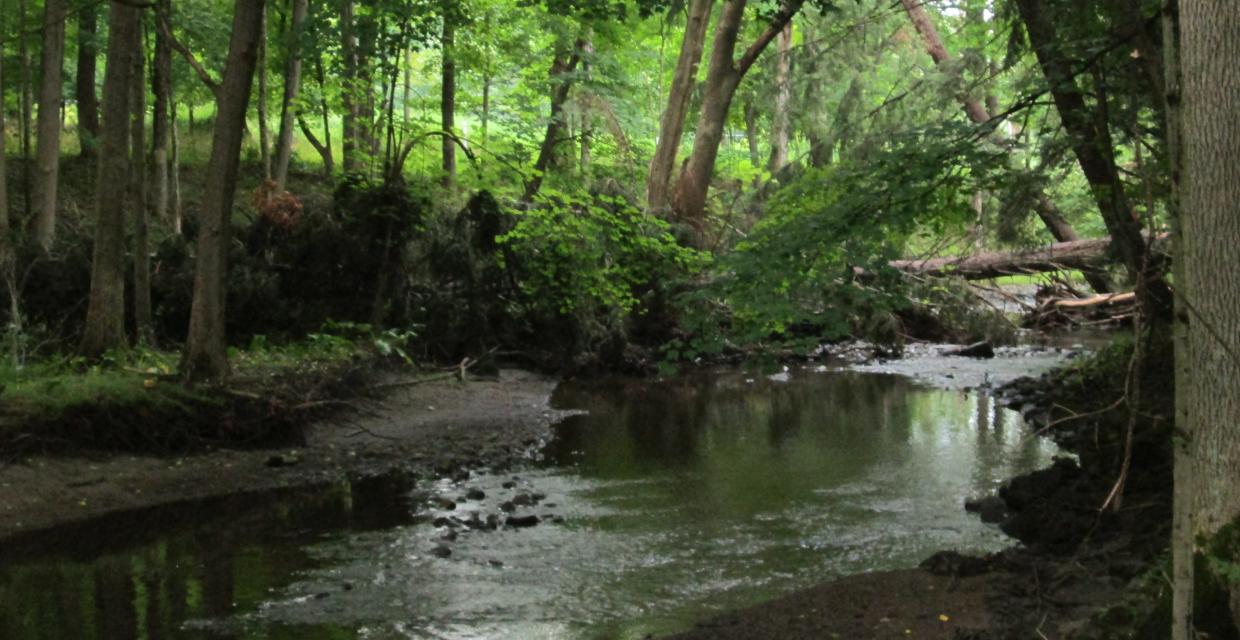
{"type": "Point", "coordinates": [679, 499]}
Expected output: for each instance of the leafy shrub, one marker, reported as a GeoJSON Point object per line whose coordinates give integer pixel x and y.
{"type": "Point", "coordinates": [815, 268]}
{"type": "Point", "coordinates": [588, 264]}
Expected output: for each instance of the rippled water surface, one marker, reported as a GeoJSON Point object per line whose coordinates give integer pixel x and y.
{"type": "Point", "coordinates": [667, 502]}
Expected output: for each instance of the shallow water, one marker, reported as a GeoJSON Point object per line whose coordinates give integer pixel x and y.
{"type": "Point", "coordinates": [667, 502]}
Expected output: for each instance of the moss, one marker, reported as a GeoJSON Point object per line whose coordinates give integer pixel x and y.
{"type": "Point", "coordinates": [133, 402]}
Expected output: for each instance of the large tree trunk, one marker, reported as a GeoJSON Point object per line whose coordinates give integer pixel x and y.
{"type": "Point", "coordinates": [723, 75]}
{"type": "Point", "coordinates": [161, 87]}
{"type": "Point", "coordinates": [680, 94]}
{"type": "Point", "coordinates": [1208, 318]}
{"type": "Point", "coordinates": [84, 86]}
{"type": "Point", "coordinates": [1079, 254]}
{"type": "Point", "coordinates": [562, 66]}
{"type": "Point", "coordinates": [105, 314]}
{"type": "Point", "coordinates": [1046, 210]}
{"type": "Point", "coordinates": [288, 102]}
{"type": "Point", "coordinates": [48, 174]}
{"type": "Point", "coordinates": [783, 98]}
{"type": "Point", "coordinates": [138, 204]}
{"type": "Point", "coordinates": [447, 102]}
{"type": "Point", "coordinates": [205, 349]}
{"type": "Point", "coordinates": [1091, 142]}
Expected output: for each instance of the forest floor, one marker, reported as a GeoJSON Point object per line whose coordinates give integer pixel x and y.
{"type": "Point", "coordinates": [426, 428]}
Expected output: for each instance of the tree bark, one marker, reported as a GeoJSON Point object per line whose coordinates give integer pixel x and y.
{"type": "Point", "coordinates": [447, 102]}
{"type": "Point", "coordinates": [84, 91]}
{"type": "Point", "coordinates": [264, 132]}
{"type": "Point", "coordinates": [48, 171]}
{"type": "Point", "coordinates": [174, 168]}
{"type": "Point", "coordinates": [723, 75]}
{"type": "Point", "coordinates": [105, 314]}
{"type": "Point", "coordinates": [1206, 278]}
{"type": "Point", "coordinates": [205, 350]}
{"type": "Point", "coordinates": [680, 94]}
{"type": "Point", "coordinates": [161, 87]}
{"type": "Point", "coordinates": [783, 98]}
{"type": "Point", "coordinates": [138, 203]}
{"type": "Point", "coordinates": [560, 70]}
{"type": "Point", "coordinates": [1080, 254]}
{"type": "Point", "coordinates": [1091, 142]}
{"type": "Point", "coordinates": [26, 111]}
{"type": "Point", "coordinates": [6, 246]}
{"type": "Point", "coordinates": [351, 129]}
{"type": "Point", "coordinates": [288, 102]}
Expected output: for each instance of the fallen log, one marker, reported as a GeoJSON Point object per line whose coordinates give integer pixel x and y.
{"type": "Point", "coordinates": [1061, 256]}
{"type": "Point", "coordinates": [1107, 309]}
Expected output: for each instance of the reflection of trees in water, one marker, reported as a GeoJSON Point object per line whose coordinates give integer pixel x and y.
{"type": "Point", "coordinates": [149, 590]}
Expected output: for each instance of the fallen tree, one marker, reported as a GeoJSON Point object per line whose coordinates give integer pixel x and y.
{"type": "Point", "coordinates": [1061, 256]}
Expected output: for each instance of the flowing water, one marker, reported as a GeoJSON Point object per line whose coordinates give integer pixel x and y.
{"type": "Point", "coordinates": [667, 502]}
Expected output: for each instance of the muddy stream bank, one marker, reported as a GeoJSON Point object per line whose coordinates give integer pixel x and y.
{"type": "Point", "coordinates": [458, 511]}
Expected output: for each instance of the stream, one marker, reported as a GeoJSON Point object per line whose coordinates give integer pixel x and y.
{"type": "Point", "coordinates": [664, 502]}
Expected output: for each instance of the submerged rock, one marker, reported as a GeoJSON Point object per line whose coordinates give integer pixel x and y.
{"type": "Point", "coordinates": [441, 551]}
{"type": "Point", "coordinates": [475, 494]}
{"type": "Point", "coordinates": [522, 521]}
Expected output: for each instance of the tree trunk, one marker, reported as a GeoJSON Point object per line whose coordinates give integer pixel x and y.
{"type": "Point", "coordinates": [174, 168]}
{"type": "Point", "coordinates": [161, 87]}
{"type": "Point", "coordinates": [723, 75]}
{"type": "Point", "coordinates": [1208, 385]}
{"type": "Point", "coordinates": [351, 129]}
{"type": "Point", "coordinates": [6, 246]}
{"type": "Point", "coordinates": [1046, 210]}
{"type": "Point", "coordinates": [47, 176]}
{"type": "Point", "coordinates": [562, 66]}
{"type": "Point", "coordinates": [205, 354]}
{"type": "Point", "coordinates": [288, 102]}
{"type": "Point", "coordinates": [26, 111]}
{"type": "Point", "coordinates": [751, 134]}
{"type": "Point", "coordinates": [1081, 254]}
{"type": "Point", "coordinates": [138, 203]}
{"type": "Point", "coordinates": [447, 102]}
{"type": "Point", "coordinates": [783, 98]}
{"type": "Point", "coordinates": [584, 100]}
{"type": "Point", "coordinates": [680, 94]}
{"type": "Point", "coordinates": [105, 314]}
{"type": "Point", "coordinates": [1091, 142]}
{"type": "Point", "coordinates": [264, 132]}
{"type": "Point", "coordinates": [84, 92]}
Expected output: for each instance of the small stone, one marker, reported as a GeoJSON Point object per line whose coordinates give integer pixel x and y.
{"type": "Point", "coordinates": [441, 551]}
{"type": "Point", "coordinates": [508, 506]}
{"type": "Point", "coordinates": [521, 522]}
{"type": "Point", "coordinates": [446, 504]}
{"type": "Point", "coordinates": [509, 484]}
{"type": "Point", "coordinates": [475, 494]}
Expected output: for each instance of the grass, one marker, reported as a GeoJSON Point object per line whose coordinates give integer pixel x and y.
{"type": "Point", "coordinates": [135, 401]}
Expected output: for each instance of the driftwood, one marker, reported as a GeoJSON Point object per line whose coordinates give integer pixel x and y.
{"type": "Point", "coordinates": [1075, 255]}
{"type": "Point", "coordinates": [1105, 309]}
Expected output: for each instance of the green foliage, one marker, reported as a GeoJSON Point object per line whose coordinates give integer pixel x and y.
{"type": "Point", "coordinates": [595, 258]}
{"type": "Point", "coordinates": [816, 265]}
